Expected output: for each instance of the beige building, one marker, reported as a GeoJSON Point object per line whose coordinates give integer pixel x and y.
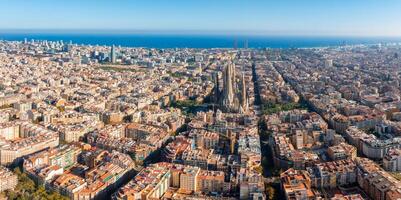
{"type": "Point", "coordinates": [188, 179]}
{"type": "Point", "coordinates": [296, 184]}
{"type": "Point", "coordinates": [342, 151]}
{"type": "Point", "coordinates": [33, 138]}
{"type": "Point", "coordinates": [210, 181]}
{"type": "Point", "coordinates": [8, 180]}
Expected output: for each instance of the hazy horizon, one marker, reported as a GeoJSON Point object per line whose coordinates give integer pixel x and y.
{"type": "Point", "coordinates": [229, 33]}
{"type": "Point", "coordinates": [361, 18]}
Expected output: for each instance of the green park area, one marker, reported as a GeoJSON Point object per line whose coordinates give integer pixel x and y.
{"type": "Point", "coordinates": [26, 189]}
{"type": "Point", "coordinates": [188, 107]}
{"type": "Point", "coordinates": [271, 108]}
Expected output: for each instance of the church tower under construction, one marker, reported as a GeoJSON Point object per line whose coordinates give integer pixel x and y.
{"type": "Point", "coordinates": [233, 97]}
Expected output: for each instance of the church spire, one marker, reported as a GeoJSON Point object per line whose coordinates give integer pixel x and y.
{"type": "Point", "coordinates": [244, 98]}
{"type": "Point", "coordinates": [228, 91]}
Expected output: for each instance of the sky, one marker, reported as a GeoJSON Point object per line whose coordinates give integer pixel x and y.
{"type": "Point", "coordinates": [259, 17]}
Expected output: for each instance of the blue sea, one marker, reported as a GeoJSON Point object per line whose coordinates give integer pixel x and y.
{"type": "Point", "coordinates": [197, 41]}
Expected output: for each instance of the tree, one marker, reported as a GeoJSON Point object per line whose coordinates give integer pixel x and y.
{"type": "Point", "coordinates": [27, 190]}
{"type": "Point", "coordinates": [271, 192]}
{"type": "Point", "coordinates": [11, 194]}
{"type": "Point", "coordinates": [189, 107]}
{"type": "Point", "coordinates": [17, 171]}
{"type": "Point", "coordinates": [259, 169]}
{"type": "Point", "coordinates": [56, 196]}
{"type": "Point", "coordinates": [25, 184]}
{"type": "Point", "coordinates": [271, 108]}
{"type": "Point", "coordinates": [40, 192]}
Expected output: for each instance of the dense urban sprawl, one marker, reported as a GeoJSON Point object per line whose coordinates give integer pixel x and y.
{"type": "Point", "coordinates": [97, 122]}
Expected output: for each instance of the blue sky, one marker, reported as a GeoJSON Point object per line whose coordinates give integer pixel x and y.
{"type": "Point", "coordinates": [267, 17]}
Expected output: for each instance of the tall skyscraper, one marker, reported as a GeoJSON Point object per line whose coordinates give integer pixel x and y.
{"type": "Point", "coordinates": [113, 56]}
{"type": "Point", "coordinates": [246, 44]}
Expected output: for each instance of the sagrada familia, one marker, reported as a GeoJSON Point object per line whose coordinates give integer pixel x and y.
{"type": "Point", "coordinates": [233, 96]}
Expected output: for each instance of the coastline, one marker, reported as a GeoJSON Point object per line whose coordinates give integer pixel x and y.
{"type": "Point", "coordinates": [199, 41]}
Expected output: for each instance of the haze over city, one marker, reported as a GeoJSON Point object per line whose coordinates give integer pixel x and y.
{"type": "Point", "coordinates": [254, 17]}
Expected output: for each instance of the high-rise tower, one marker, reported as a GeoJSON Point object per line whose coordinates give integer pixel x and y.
{"type": "Point", "coordinates": [113, 55]}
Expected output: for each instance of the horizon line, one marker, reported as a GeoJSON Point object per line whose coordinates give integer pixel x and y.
{"type": "Point", "coordinates": [260, 33]}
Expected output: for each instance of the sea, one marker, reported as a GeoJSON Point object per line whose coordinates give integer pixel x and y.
{"type": "Point", "coordinates": [198, 41]}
